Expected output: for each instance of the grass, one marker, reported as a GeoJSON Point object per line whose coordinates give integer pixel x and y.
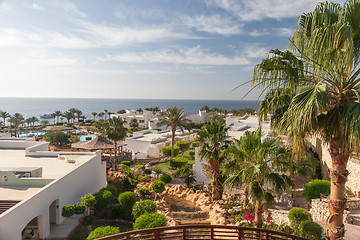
{"type": "Point", "coordinates": [81, 232]}
{"type": "Point", "coordinates": [165, 167]}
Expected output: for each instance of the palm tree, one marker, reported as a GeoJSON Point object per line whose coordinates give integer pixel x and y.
{"type": "Point", "coordinates": [4, 115]}
{"type": "Point", "coordinates": [16, 120]}
{"type": "Point", "coordinates": [174, 118]}
{"type": "Point", "coordinates": [139, 110]}
{"type": "Point", "coordinates": [54, 116]}
{"type": "Point", "coordinates": [105, 112]}
{"type": "Point", "coordinates": [321, 73]}
{"type": "Point", "coordinates": [134, 123]}
{"type": "Point", "coordinates": [212, 143]}
{"type": "Point", "coordinates": [101, 115]}
{"type": "Point", "coordinates": [34, 120]}
{"type": "Point", "coordinates": [28, 121]}
{"type": "Point", "coordinates": [73, 113]}
{"type": "Point", "coordinates": [68, 115]}
{"type": "Point", "coordinates": [94, 114]}
{"type": "Point", "coordinates": [57, 115]}
{"type": "Point", "coordinates": [115, 131]}
{"type": "Point", "coordinates": [78, 114]}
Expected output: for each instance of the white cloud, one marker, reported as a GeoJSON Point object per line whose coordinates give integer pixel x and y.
{"type": "Point", "coordinates": [190, 56]}
{"type": "Point", "coordinates": [69, 7]}
{"type": "Point", "coordinates": [214, 24]}
{"type": "Point", "coordinates": [4, 6]}
{"type": "Point", "coordinates": [43, 58]}
{"type": "Point", "coordinates": [37, 6]}
{"type": "Point", "coordinates": [254, 51]}
{"type": "Point", "coordinates": [249, 10]}
{"type": "Point", "coordinates": [286, 32]}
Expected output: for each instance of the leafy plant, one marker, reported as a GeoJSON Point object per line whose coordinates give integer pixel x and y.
{"type": "Point", "coordinates": [143, 191]}
{"type": "Point", "coordinates": [127, 163]}
{"type": "Point", "coordinates": [79, 209]}
{"type": "Point", "coordinates": [167, 151]}
{"type": "Point", "coordinates": [88, 220]}
{"type": "Point", "coordinates": [183, 145]}
{"type": "Point", "coordinates": [103, 231]}
{"type": "Point", "coordinates": [178, 162]}
{"type": "Point", "coordinates": [68, 210]}
{"type": "Point", "coordinates": [158, 186]}
{"type": "Point", "coordinates": [142, 207]}
{"type": "Point", "coordinates": [166, 178]}
{"type": "Point", "coordinates": [147, 171]}
{"type": "Point", "coordinates": [103, 199]}
{"type": "Point", "coordinates": [195, 144]}
{"type": "Point", "coordinates": [313, 189]}
{"type": "Point", "coordinates": [150, 220]}
{"type": "Point", "coordinates": [127, 200]}
{"type": "Point", "coordinates": [310, 230]}
{"type": "Point", "coordinates": [296, 216]}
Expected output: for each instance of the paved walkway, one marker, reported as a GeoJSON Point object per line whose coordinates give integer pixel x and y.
{"type": "Point", "coordinates": [352, 232]}
{"type": "Point", "coordinates": [62, 231]}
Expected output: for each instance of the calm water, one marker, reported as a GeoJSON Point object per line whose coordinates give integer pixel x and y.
{"type": "Point", "coordinates": [38, 106]}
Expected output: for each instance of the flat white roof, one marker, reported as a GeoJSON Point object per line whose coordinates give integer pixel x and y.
{"type": "Point", "coordinates": [18, 193]}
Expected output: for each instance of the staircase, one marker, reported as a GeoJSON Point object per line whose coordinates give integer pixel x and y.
{"type": "Point", "coordinates": [6, 204]}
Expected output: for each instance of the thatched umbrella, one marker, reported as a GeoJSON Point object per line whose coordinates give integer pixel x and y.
{"type": "Point", "coordinates": [98, 143]}
{"type": "Point", "coordinates": [57, 128]}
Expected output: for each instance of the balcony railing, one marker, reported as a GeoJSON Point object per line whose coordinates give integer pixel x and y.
{"type": "Point", "coordinates": [200, 231]}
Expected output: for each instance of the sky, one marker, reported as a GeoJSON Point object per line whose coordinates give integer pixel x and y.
{"type": "Point", "coordinates": [147, 49]}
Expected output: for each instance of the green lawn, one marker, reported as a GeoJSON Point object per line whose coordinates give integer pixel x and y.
{"type": "Point", "coordinates": [165, 167]}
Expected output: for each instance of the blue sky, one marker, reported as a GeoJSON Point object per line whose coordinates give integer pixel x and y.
{"type": "Point", "coordinates": [162, 49]}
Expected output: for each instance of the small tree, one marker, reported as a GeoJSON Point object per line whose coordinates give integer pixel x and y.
{"type": "Point", "coordinates": [88, 201]}
{"type": "Point", "coordinates": [142, 207]}
{"type": "Point", "coordinates": [296, 216]}
{"type": "Point", "coordinates": [127, 200]}
{"type": "Point", "coordinates": [103, 232]}
{"type": "Point", "coordinates": [310, 230]}
{"type": "Point", "coordinates": [313, 189]}
{"type": "Point", "coordinates": [103, 199]}
{"type": "Point", "coordinates": [68, 210]}
{"type": "Point", "coordinates": [134, 123]}
{"type": "Point", "coordinates": [150, 220]}
{"type": "Point", "coordinates": [183, 145]}
{"type": "Point", "coordinates": [158, 187]}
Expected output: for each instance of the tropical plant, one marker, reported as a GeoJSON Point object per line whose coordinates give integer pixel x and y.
{"type": "Point", "coordinates": [142, 207]}
{"type": "Point", "coordinates": [106, 112]}
{"type": "Point", "coordinates": [16, 120]}
{"type": "Point", "coordinates": [150, 220]}
{"type": "Point", "coordinates": [101, 115]}
{"type": "Point", "coordinates": [139, 110]}
{"type": "Point", "coordinates": [186, 173]}
{"type": "Point", "coordinates": [44, 123]}
{"type": "Point", "coordinates": [57, 138]}
{"type": "Point", "coordinates": [313, 189]}
{"type": "Point", "coordinates": [320, 73]}
{"type": "Point", "coordinates": [115, 131]}
{"type": "Point", "coordinates": [212, 143]}
{"type": "Point", "coordinates": [34, 120]}
{"type": "Point", "coordinates": [4, 115]}
{"type": "Point", "coordinates": [68, 115]}
{"type": "Point", "coordinates": [57, 114]}
{"type": "Point", "coordinates": [94, 115]}
{"type": "Point", "coordinates": [103, 231]}
{"type": "Point", "coordinates": [134, 123]}
{"type": "Point", "coordinates": [174, 118]}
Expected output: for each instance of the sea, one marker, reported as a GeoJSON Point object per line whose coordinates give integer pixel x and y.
{"type": "Point", "coordinates": [29, 107]}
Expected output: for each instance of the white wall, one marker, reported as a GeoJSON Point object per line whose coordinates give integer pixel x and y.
{"type": "Point", "coordinates": [89, 177]}
{"type": "Point", "coordinates": [198, 169]}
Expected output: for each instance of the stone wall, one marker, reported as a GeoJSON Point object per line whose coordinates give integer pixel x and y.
{"type": "Point", "coordinates": [320, 210]}
{"type": "Point", "coordinates": [353, 165]}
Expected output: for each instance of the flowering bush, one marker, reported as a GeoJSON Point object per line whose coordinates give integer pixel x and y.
{"type": "Point", "coordinates": [248, 214]}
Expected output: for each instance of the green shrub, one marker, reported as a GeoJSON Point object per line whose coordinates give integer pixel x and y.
{"type": "Point", "coordinates": [150, 220]}
{"type": "Point", "coordinates": [142, 207]}
{"type": "Point", "coordinates": [88, 200]}
{"type": "Point", "coordinates": [79, 209]}
{"type": "Point", "coordinates": [116, 210]}
{"type": "Point", "coordinates": [167, 151]}
{"type": "Point", "coordinates": [166, 178]}
{"type": "Point", "coordinates": [68, 210]}
{"type": "Point", "coordinates": [74, 139]}
{"type": "Point", "coordinates": [195, 144]}
{"type": "Point", "coordinates": [88, 138]}
{"type": "Point", "coordinates": [313, 189]}
{"type": "Point", "coordinates": [147, 171]}
{"type": "Point", "coordinates": [191, 154]}
{"type": "Point", "coordinates": [103, 231]}
{"type": "Point", "coordinates": [158, 186]}
{"type": "Point", "coordinates": [88, 220]}
{"type": "Point", "coordinates": [103, 198]}
{"type": "Point", "coordinates": [157, 170]}
{"type": "Point", "coordinates": [183, 145]}
{"type": "Point", "coordinates": [178, 162]}
{"type": "Point", "coordinates": [310, 230]}
{"type": "Point", "coordinates": [127, 200]}
{"type": "Point", "coordinates": [127, 163]}
{"type": "Point", "coordinates": [143, 191]}
{"type": "Point", "coordinates": [112, 189]}
{"type": "Point", "coordinates": [296, 216]}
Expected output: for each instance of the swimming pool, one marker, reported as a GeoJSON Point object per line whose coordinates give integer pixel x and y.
{"type": "Point", "coordinates": [27, 134]}
{"type": "Point", "coordinates": [83, 138]}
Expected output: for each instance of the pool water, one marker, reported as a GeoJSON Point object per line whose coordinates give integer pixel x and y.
{"type": "Point", "coordinates": [27, 134]}
{"type": "Point", "coordinates": [83, 138]}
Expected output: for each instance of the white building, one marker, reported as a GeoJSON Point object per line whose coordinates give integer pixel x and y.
{"type": "Point", "coordinates": [35, 184]}
{"type": "Point", "coordinates": [142, 118]}
{"type": "Point", "coordinates": [149, 143]}
{"type": "Point", "coordinates": [197, 118]}
{"type": "Point", "coordinates": [239, 125]}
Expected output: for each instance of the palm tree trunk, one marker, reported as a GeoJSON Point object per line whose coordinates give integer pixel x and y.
{"type": "Point", "coordinates": [246, 197]}
{"type": "Point", "coordinates": [172, 141]}
{"type": "Point", "coordinates": [258, 214]}
{"type": "Point", "coordinates": [338, 176]}
{"type": "Point", "coordinates": [115, 150]}
{"type": "Point", "coordinates": [214, 185]}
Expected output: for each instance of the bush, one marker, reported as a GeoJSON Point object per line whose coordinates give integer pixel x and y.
{"type": "Point", "coordinates": [112, 189]}
{"type": "Point", "coordinates": [150, 220]}
{"type": "Point", "coordinates": [79, 209]}
{"type": "Point", "coordinates": [57, 138]}
{"type": "Point", "coordinates": [167, 151]}
{"type": "Point", "coordinates": [103, 198]}
{"type": "Point", "coordinates": [142, 207]}
{"type": "Point", "coordinates": [296, 216]}
{"type": "Point", "coordinates": [191, 154]}
{"type": "Point", "coordinates": [183, 145]}
{"type": "Point", "coordinates": [74, 139]}
{"type": "Point", "coordinates": [313, 189]}
{"type": "Point", "coordinates": [157, 170]}
{"type": "Point", "coordinates": [195, 144]}
{"type": "Point", "coordinates": [68, 210]}
{"type": "Point", "coordinates": [166, 178]}
{"type": "Point", "coordinates": [88, 220]}
{"type": "Point", "coordinates": [310, 230]}
{"type": "Point", "coordinates": [116, 210]}
{"type": "Point", "coordinates": [158, 186]}
{"type": "Point", "coordinates": [88, 200]}
{"type": "Point", "coordinates": [178, 162]}
{"type": "Point", "coordinates": [147, 171]}
{"type": "Point", "coordinates": [88, 138]}
{"type": "Point", "coordinates": [143, 191]}
{"type": "Point", "coordinates": [127, 163]}
{"type": "Point", "coordinates": [127, 200]}
{"type": "Point", "coordinates": [103, 232]}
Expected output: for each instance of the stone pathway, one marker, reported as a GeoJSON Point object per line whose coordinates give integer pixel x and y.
{"type": "Point", "coordinates": [62, 231]}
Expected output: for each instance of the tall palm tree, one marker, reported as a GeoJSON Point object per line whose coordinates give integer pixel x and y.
{"type": "Point", "coordinates": [321, 74]}
{"type": "Point", "coordinates": [105, 112]}
{"type": "Point", "coordinates": [73, 113]}
{"type": "Point", "coordinates": [115, 131]}
{"type": "Point", "coordinates": [139, 110]}
{"type": "Point", "coordinates": [54, 116]}
{"type": "Point", "coordinates": [68, 115]}
{"type": "Point", "coordinates": [101, 115]}
{"type": "Point", "coordinates": [28, 121]}
{"type": "Point", "coordinates": [94, 114]}
{"type": "Point", "coordinates": [16, 120]}
{"type": "Point", "coordinates": [58, 115]}
{"type": "Point", "coordinates": [4, 115]}
{"type": "Point", "coordinates": [34, 120]}
{"type": "Point", "coordinates": [174, 118]}
{"type": "Point", "coordinates": [78, 114]}
{"type": "Point", "coordinates": [212, 143]}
